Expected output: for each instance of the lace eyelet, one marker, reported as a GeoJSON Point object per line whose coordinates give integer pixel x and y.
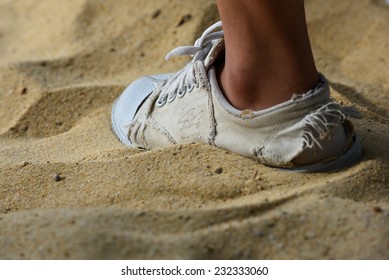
{"type": "Point", "coordinates": [191, 87]}
{"type": "Point", "coordinates": [182, 92]}
{"type": "Point", "coordinates": [171, 97]}
{"type": "Point", "coordinates": [161, 101]}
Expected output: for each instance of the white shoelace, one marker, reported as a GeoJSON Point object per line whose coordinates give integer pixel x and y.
{"type": "Point", "coordinates": [184, 80]}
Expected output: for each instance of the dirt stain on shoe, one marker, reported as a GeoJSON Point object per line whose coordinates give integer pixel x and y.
{"type": "Point", "coordinates": [247, 114]}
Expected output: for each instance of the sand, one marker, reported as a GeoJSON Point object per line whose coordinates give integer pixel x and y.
{"type": "Point", "coordinates": [70, 190]}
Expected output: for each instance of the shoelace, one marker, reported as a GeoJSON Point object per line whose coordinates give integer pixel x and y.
{"type": "Point", "coordinates": [184, 80]}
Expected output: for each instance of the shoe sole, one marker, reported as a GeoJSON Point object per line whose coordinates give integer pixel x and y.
{"type": "Point", "coordinates": [116, 128]}
{"type": "Point", "coordinates": [353, 154]}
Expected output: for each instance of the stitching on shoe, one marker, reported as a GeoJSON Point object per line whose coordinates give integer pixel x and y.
{"type": "Point", "coordinates": [156, 125]}
{"type": "Point", "coordinates": [212, 120]}
{"type": "Point", "coordinates": [133, 130]}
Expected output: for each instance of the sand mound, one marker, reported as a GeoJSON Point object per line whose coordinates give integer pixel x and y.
{"type": "Point", "coordinates": [70, 190]}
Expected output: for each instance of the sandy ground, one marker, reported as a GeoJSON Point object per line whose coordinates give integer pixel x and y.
{"type": "Point", "coordinates": [70, 190]}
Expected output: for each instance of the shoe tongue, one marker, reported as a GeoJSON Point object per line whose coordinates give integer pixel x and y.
{"type": "Point", "coordinates": [214, 53]}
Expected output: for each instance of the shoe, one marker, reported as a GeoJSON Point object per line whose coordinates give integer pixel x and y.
{"type": "Point", "coordinates": [308, 133]}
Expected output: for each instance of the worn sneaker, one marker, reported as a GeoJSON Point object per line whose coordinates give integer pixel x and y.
{"type": "Point", "coordinates": [307, 133]}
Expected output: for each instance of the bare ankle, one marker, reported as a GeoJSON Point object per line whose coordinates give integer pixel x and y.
{"type": "Point", "coordinates": [246, 89]}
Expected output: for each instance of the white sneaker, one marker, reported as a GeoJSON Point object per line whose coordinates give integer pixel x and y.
{"type": "Point", "coordinates": [307, 133]}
